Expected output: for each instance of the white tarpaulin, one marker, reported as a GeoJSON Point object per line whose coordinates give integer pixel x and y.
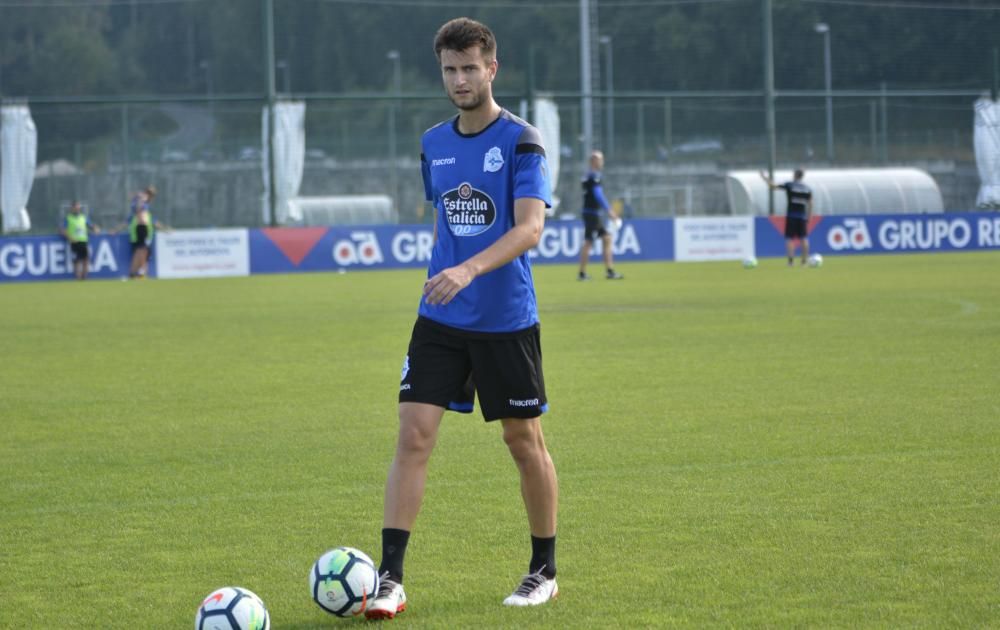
{"type": "Point", "coordinates": [289, 160]}
{"type": "Point", "coordinates": [547, 123]}
{"type": "Point", "coordinates": [986, 138]}
{"type": "Point", "coordinates": [18, 153]}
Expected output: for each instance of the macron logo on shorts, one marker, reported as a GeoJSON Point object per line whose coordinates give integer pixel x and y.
{"type": "Point", "coordinates": [530, 402]}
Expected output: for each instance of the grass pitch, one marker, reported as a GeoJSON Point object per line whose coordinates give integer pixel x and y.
{"type": "Point", "coordinates": [774, 447]}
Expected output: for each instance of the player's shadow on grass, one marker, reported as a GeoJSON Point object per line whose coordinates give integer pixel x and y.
{"type": "Point", "coordinates": [326, 624]}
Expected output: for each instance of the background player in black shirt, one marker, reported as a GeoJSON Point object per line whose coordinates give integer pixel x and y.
{"type": "Point", "coordinates": [797, 214]}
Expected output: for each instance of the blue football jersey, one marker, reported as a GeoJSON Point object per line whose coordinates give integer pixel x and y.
{"type": "Point", "coordinates": [473, 180]}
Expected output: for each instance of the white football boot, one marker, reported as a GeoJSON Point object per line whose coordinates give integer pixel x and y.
{"type": "Point", "coordinates": [534, 589]}
{"type": "Point", "coordinates": [390, 600]}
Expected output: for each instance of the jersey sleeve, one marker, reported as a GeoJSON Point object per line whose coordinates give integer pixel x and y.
{"type": "Point", "coordinates": [599, 196]}
{"type": "Point", "coordinates": [531, 171]}
{"type": "Point", "coordinates": [425, 172]}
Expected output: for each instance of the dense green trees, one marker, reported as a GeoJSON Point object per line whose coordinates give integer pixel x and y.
{"type": "Point", "coordinates": [109, 49]}
{"type": "Point", "coordinates": [119, 47]}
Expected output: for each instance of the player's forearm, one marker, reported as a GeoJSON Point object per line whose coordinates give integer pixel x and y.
{"type": "Point", "coordinates": [601, 199]}
{"type": "Point", "coordinates": [515, 242]}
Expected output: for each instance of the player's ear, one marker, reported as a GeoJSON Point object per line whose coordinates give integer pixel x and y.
{"type": "Point", "coordinates": [494, 66]}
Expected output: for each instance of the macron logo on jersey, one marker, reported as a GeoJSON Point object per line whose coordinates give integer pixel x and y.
{"type": "Point", "coordinates": [443, 162]}
{"type": "Point", "coordinates": [493, 160]}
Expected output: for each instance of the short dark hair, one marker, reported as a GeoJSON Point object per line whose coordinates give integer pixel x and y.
{"type": "Point", "coordinates": [799, 173]}
{"type": "Point", "coordinates": [463, 33]}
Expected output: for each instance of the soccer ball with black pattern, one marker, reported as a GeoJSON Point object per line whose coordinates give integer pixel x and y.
{"type": "Point", "coordinates": [343, 581]}
{"type": "Point", "coordinates": [232, 608]}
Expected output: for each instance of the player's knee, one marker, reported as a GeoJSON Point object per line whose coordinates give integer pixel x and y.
{"type": "Point", "coordinates": [523, 439]}
{"type": "Point", "coordinates": [416, 438]}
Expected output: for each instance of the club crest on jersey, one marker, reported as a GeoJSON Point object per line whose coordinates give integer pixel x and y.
{"type": "Point", "coordinates": [469, 211]}
{"type": "Point", "coordinates": [493, 160]}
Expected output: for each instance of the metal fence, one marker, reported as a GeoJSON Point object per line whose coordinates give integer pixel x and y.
{"type": "Point", "coordinates": [669, 133]}
{"type": "Point", "coordinates": [665, 154]}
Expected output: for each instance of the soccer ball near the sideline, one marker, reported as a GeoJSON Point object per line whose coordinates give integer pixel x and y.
{"type": "Point", "coordinates": [749, 263]}
{"type": "Point", "coordinates": [815, 260]}
{"type": "Point", "coordinates": [343, 581]}
{"type": "Point", "coordinates": [232, 608]}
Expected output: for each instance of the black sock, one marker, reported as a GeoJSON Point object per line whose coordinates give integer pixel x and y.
{"type": "Point", "coordinates": [393, 549]}
{"type": "Point", "coordinates": [543, 556]}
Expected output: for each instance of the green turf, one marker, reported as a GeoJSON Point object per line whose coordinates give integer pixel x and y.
{"type": "Point", "coordinates": [750, 448]}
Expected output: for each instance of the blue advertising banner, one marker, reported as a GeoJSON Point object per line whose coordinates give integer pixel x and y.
{"type": "Point", "coordinates": [285, 250]}
{"type": "Point", "coordinates": [289, 250]}
{"type": "Point", "coordinates": [29, 258]}
{"type": "Point", "coordinates": [886, 233]}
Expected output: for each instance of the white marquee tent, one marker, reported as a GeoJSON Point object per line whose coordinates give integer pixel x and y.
{"type": "Point", "coordinates": [841, 191]}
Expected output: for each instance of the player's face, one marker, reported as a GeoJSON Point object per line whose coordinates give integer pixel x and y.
{"type": "Point", "coordinates": [468, 78]}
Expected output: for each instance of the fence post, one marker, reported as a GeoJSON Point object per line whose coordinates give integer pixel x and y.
{"type": "Point", "coordinates": [885, 123]}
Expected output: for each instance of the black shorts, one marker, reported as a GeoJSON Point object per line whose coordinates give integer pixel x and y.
{"type": "Point", "coordinates": [593, 226]}
{"type": "Point", "coordinates": [795, 227]}
{"type": "Point", "coordinates": [448, 367]}
{"type": "Point", "coordinates": [141, 238]}
{"type": "Point", "coordinates": [81, 251]}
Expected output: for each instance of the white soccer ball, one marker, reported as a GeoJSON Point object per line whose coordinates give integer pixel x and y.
{"type": "Point", "coordinates": [343, 581]}
{"type": "Point", "coordinates": [749, 262]}
{"type": "Point", "coordinates": [615, 223]}
{"type": "Point", "coordinates": [232, 608]}
{"type": "Point", "coordinates": [815, 260]}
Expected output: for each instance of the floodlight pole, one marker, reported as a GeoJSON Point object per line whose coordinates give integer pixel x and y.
{"type": "Point", "coordinates": [824, 29]}
{"type": "Point", "coordinates": [272, 197]}
{"type": "Point", "coordinates": [995, 87]}
{"type": "Point", "coordinates": [206, 65]}
{"type": "Point", "coordinates": [286, 79]}
{"type": "Point", "coordinates": [768, 62]}
{"type": "Point", "coordinates": [609, 68]}
{"type": "Point", "coordinates": [397, 89]}
{"type": "Point", "coordinates": [586, 80]}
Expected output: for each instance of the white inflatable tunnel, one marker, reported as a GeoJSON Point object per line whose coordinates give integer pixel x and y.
{"type": "Point", "coordinates": [841, 191]}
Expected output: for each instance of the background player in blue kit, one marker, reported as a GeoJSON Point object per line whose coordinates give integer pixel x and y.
{"type": "Point", "coordinates": [477, 330]}
{"type": "Point", "coordinates": [796, 214]}
{"type": "Point", "coordinates": [596, 212]}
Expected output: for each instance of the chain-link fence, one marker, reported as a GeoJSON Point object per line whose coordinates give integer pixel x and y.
{"type": "Point", "coordinates": [677, 96]}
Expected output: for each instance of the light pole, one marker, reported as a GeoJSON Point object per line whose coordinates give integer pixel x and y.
{"type": "Point", "coordinates": [824, 29]}
{"type": "Point", "coordinates": [207, 67]}
{"type": "Point", "coordinates": [285, 76]}
{"type": "Point", "coordinates": [397, 82]}
{"type": "Point", "coordinates": [586, 82]}
{"type": "Point", "coordinates": [609, 70]}
{"type": "Point", "coordinates": [767, 30]}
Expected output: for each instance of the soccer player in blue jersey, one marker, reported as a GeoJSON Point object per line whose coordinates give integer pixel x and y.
{"type": "Point", "coordinates": [477, 329]}
{"type": "Point", "coordinates": [596, 212]}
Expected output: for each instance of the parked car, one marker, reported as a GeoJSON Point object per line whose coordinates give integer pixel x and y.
{"type": "Point", "coordinates": [250, 153]}
{"type": "Point", "coordinates": [701, 145]}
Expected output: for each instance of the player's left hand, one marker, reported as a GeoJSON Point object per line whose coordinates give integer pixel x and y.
{"type": "Point", "coordinates": [443, 287]}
